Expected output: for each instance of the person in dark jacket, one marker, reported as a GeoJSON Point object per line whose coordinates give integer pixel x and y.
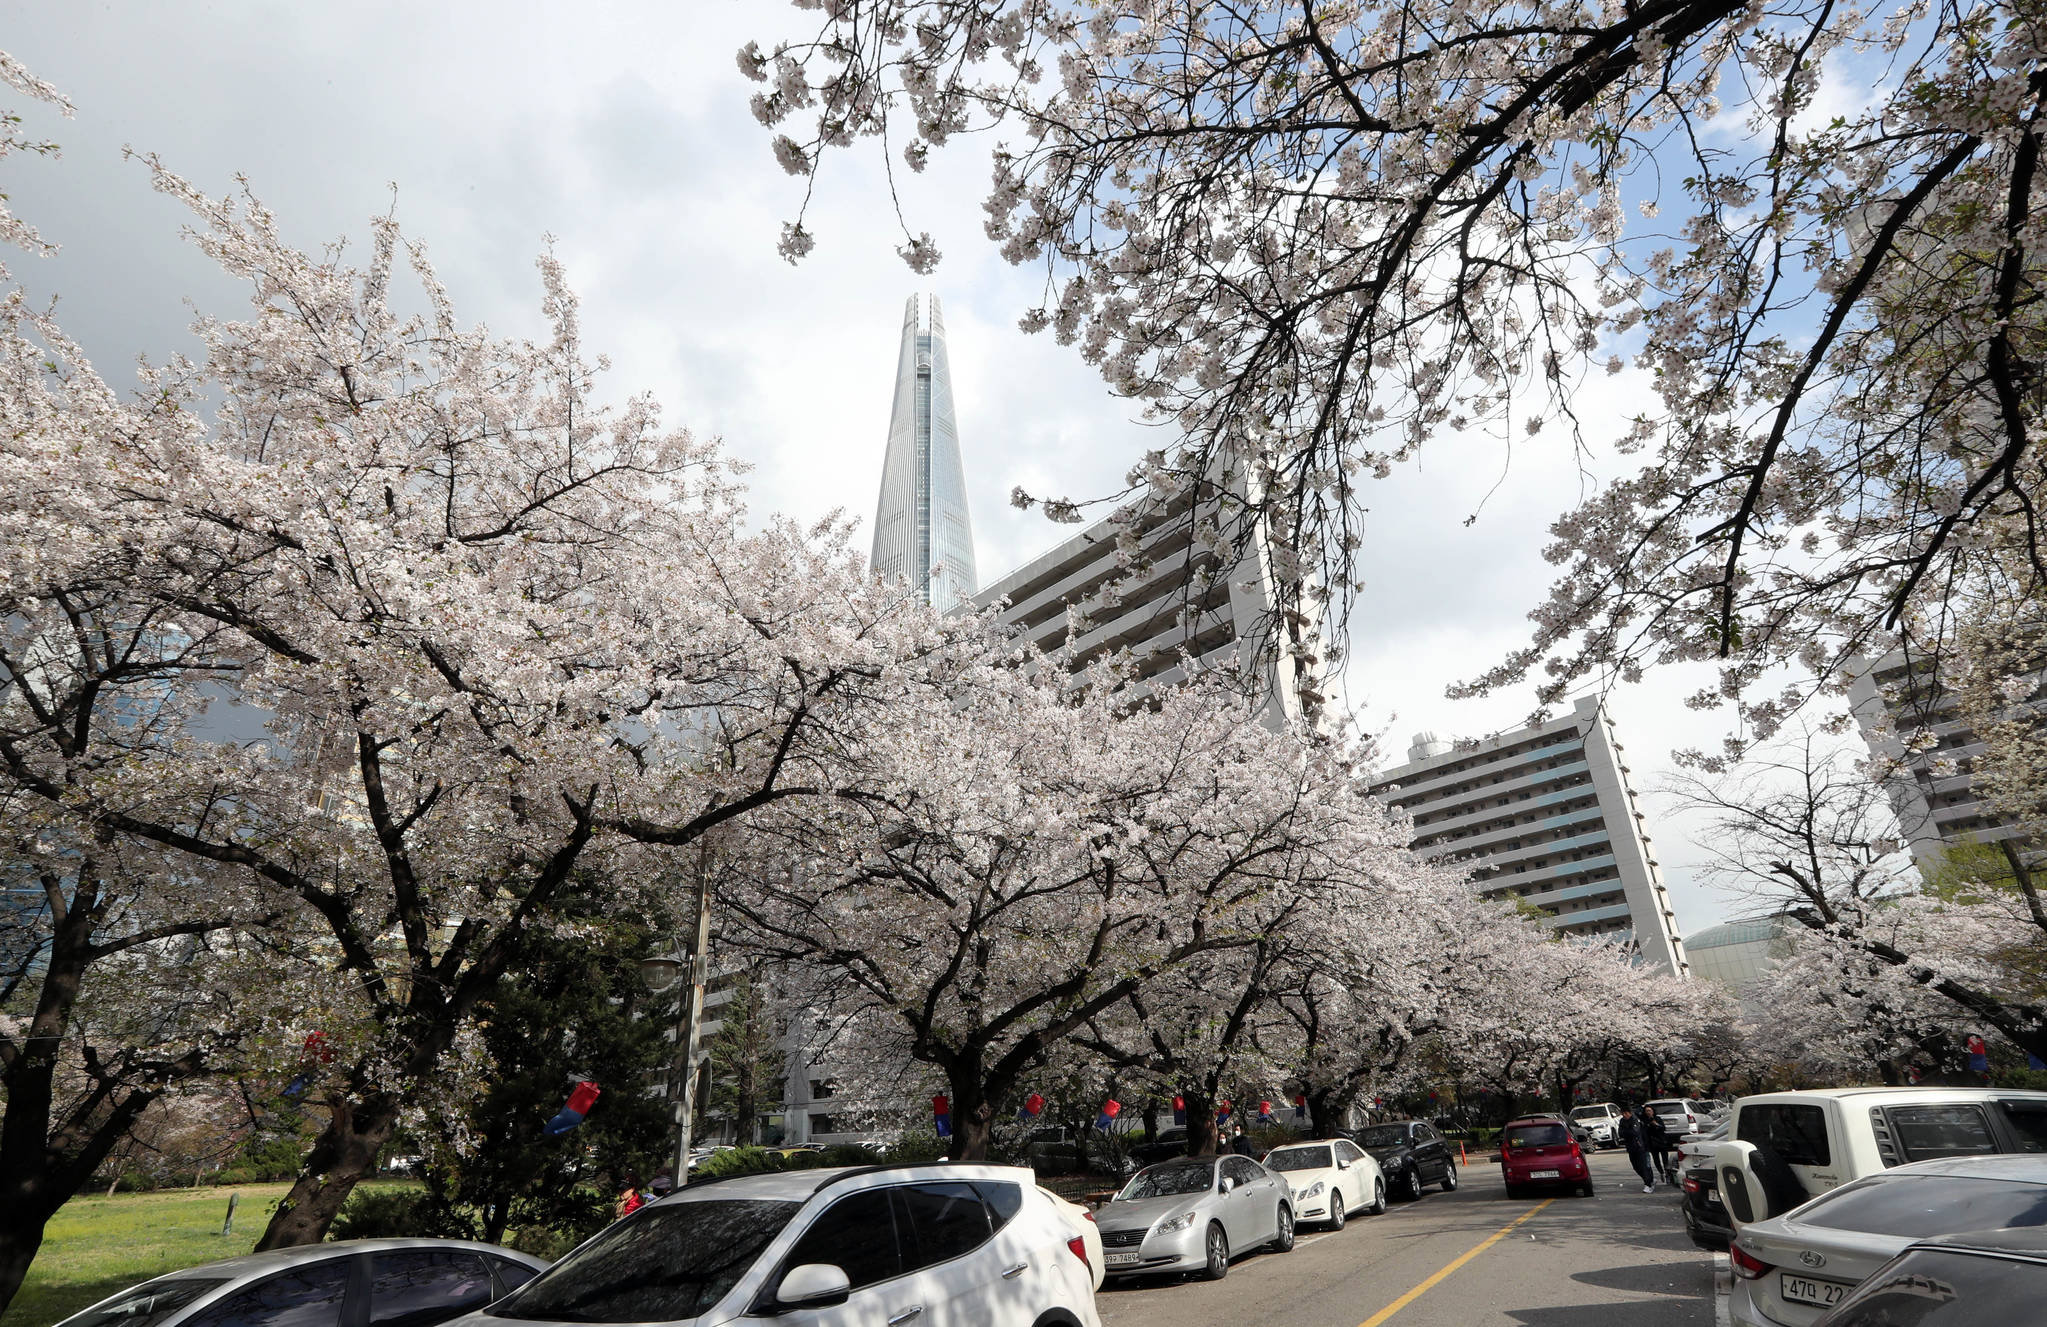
{"type": "Point", "coordinates": [1657, 1141]}
{"type": "Point", "coordinates": [1241, 1145]}
{"type": "Point", "coordinates": [1638, 1149]}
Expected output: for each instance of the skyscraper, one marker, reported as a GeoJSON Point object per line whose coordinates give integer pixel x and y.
{"type": "Point", "coordinates": [922, 534]}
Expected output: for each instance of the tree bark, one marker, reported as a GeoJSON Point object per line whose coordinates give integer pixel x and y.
{"type": "Point", "coordinates": [344, 1153]}
{"type": "Point", "coordinates": [1201, 1133]}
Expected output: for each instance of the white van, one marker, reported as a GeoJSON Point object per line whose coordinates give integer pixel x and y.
{"type": "Point", "coordinates": [1786, 1147]}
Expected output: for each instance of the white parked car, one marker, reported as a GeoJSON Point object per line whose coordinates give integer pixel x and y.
{"type": "Point", "coordinates": [1786, 1147]}
{"type": "Point", "coordinates": [1790, 1269]}
{"type": "Point", "coordinates": [1602, 1120]}
{"type": "Point", "coordinates": [1696, 1149]}
{"type": "Point", "coordinates": [1332, 1179]}
{"type": "Point", "coordinates": [1083, 1224]}
{"type": "Point", "coordinates": [935, 1245]}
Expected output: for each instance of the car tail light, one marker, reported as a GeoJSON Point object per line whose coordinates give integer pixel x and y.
{"type": "Point", "coordinates": [1746, 1266]}
{"type": "Point", "coordinates": [1079, 1247]}
{"type": "Point", "coordinates": [1692, 1185]}
{"type": "Point", "coordinates": [1090, 1216]}
{"type": "Point", "coordinates": [1577, 1153]}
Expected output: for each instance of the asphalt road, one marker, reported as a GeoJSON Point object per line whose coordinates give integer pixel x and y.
{"type": "Point", "coordinates": [1618, 1259]}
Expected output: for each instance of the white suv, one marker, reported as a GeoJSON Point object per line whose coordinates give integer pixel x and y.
{"type": "Point", "coordinates": [1786, 1147]}
{"type": "Point", "coordinates": [933, 1245]}
{"type": "Point", "coordinates": [1602, 1121]}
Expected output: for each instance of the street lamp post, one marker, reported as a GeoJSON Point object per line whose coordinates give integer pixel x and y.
{"type": "Point", "coordinates": [660, 973]}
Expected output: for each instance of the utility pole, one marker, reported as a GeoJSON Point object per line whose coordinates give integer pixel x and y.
{"type": "Point", "coordinates": [690, 1032]}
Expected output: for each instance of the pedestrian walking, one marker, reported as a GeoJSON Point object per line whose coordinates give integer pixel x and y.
{"type": "Point", "coordinates": [1241, 1145]}
{"type": "Point", "coordinates": [661, 1185]}
{"type": "Point", "coordinates": [629, 1200]}
{"type": "Point", "coordinates": [1638, 1149]}
{"type": "Point", "coordinates": [1656, 1140]}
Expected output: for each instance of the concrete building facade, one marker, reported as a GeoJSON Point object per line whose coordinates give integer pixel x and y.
{"type": "Point", "coordinates": [1189, 609]}
{"type": "Point", "coordinates": [1914, 728]}
{"type": "Point", "coordinates": [1546, 815]}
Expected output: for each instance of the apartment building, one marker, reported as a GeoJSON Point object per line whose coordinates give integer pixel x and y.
{"type": "Point", "coordinates": [1914, 728]}
{"type": "Point", "coordinates": [1545, 815]}
{"type": "Point", "coordinates": [1187, 608]}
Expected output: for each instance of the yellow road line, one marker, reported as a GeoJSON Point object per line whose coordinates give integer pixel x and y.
{"type": "Point", "coordinates": [1411, 1296]}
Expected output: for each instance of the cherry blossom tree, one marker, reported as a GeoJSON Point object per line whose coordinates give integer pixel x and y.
{"type": "Point", "coordinates": [1804, 828]}
{"type": "Point", "coordinates": [1048, 854]}
{"type": "Point", "coordinates": [1317, 238]}
{"type": "Point", "coordinates": [397, 627]}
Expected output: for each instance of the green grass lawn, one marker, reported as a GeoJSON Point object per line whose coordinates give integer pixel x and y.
{"type": "Point", "coordinates": [95, 1246]}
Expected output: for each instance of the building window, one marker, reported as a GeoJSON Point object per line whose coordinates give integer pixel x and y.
{"type": "Point", "coordinates": [820, 1089]}
{"type": "Point", "coordinates": [822, 1124]}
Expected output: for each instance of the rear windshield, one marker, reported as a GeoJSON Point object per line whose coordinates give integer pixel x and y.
{"type": "Point", "coordinates": [1916, 1206]}
{"type": "Point", "coordinates": [664, 1262]}
{"type": "Point", "coordinates": [1589, 1113]}
{"type": "Point", "coordinates": [1169, 1180]}
{"type": "Point", "coordinates": [147, 1304]}
{"type": "Point", "coordinates": [1300, 1158]}
{"type": "Point", "coordinates": [1536, 1135]}
{"type": "Point", "coordinates": [1384, 1135]}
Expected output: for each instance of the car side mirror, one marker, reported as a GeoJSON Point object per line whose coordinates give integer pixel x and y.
{"type": "Point", "coordinates": [813, 1285]}
{"type": "Point", "coordinates": [1342, 1164]}
{"type": "Point", "coordinates": [1741, 1187]}
{"type": "Point", "coordinates": [1228, 1184]}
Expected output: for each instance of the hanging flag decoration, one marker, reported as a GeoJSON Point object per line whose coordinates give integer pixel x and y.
{"type": "Point", "coordinates": [581, 1098]}
{"type": "Point", "coordinates": [1265, 1112]}
{"type": "Point", "coordinates": [1222, 1111]}
{"type": "Point", "coordinates": [1180, 1111]}
{"type": "Point", "coordinates": [1300, 1105]}
{"type": "Point", "coordinates": [941, 1115]}
{"type": "Point", "coordinates": [1979, 1055]}
{"type": "Point", "coordinates": [1033, 1104]}
{"type": "Point", "coordinates": [314, 1050]}
{"type": "Point", "coordinates": [1110, 1110]}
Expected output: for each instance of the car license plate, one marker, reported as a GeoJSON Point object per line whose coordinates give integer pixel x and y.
{"type": "Point", "coordinates": [1805, 1290]}
{"type": "Point", "coordinates": [1544, 1174]}
{"type": "Point", "coordinates": [1120, 1259]}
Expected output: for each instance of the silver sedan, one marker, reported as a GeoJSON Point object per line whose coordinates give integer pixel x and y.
{"type": "Point", "coordinates": [416, 1282]}
{"type": "Point", "coordinates": [1192, 1214]}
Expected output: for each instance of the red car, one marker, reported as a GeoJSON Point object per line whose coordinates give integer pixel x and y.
{"type": "Point", "coordinates": [1537, 1151]}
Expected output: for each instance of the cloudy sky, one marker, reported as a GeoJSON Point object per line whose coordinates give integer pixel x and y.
{"type": "Point", "coordinates": [622, 131]}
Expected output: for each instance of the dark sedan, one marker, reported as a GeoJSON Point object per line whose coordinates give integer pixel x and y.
{"type": "Point", "coordinates": [1412, 1155]}
{"type": "Point", "coordinates": [1705, 1215]}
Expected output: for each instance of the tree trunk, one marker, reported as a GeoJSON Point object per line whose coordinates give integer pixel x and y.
{"type": "Point", "coordinates": [1201, 1133]}
{"type": "Point", "coordinates": [1322, 1112]}
{"type": "Point", "coordinates": [972, 1113]}
{"type": "Point", "coordinates": [345, 1152]}
{"type": "Point", "coordinates": [496, 1216]}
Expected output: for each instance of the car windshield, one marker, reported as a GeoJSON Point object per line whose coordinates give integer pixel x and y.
{"type": "Point", "coordinates": [1536, 1135]}
{"type": "Point", "coordinates": [1384, 1135]}
{"type": "Point", "coordinates": [1169, 1181]}
{"type": "Point", "coordinates": [1667, 1107]}
{"type": "Point", "coordinates": [147, 1304]}
{"type": "Point", "coordinates": [1300, 1158]}
{"type": "Point", "coordinates": [665, 1262]}
{"type": "Point", "coordinates": [1589, 1113]}
{"type": "Point", "coordinates": [1916, 1206]}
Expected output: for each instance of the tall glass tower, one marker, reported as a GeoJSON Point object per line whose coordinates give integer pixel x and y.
{"type": "Point", "coordinates": [922, 535]}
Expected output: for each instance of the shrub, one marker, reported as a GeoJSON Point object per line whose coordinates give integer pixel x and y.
{"type": "Point", "coordinates": [398, 1214]}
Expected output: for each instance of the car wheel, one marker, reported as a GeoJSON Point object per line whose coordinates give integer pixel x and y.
{"type": "Point", "coordinates": [1411, 1184]}
{"type": "Point", "coordinates": [1585, 1189]}
{"type": "Point", "coordinates": [1378, 1198]}
{"type": "Point", "coordinates": [1450, 1179]}
{"type": "Point", "coordinates": [1218, 1255]}
{"type": "Point", "coordinates": [1513, 1190]}
{"type": "Point", "coordinates": [1283, 1242]}
{"type": "Point", "coordinates": [1336, 1212]}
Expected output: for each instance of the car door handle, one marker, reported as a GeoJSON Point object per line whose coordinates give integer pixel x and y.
{"type": "Point", "coordinates": [1011, 1273]}
{"type": "Point", "coordinates": [915, 1310]}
